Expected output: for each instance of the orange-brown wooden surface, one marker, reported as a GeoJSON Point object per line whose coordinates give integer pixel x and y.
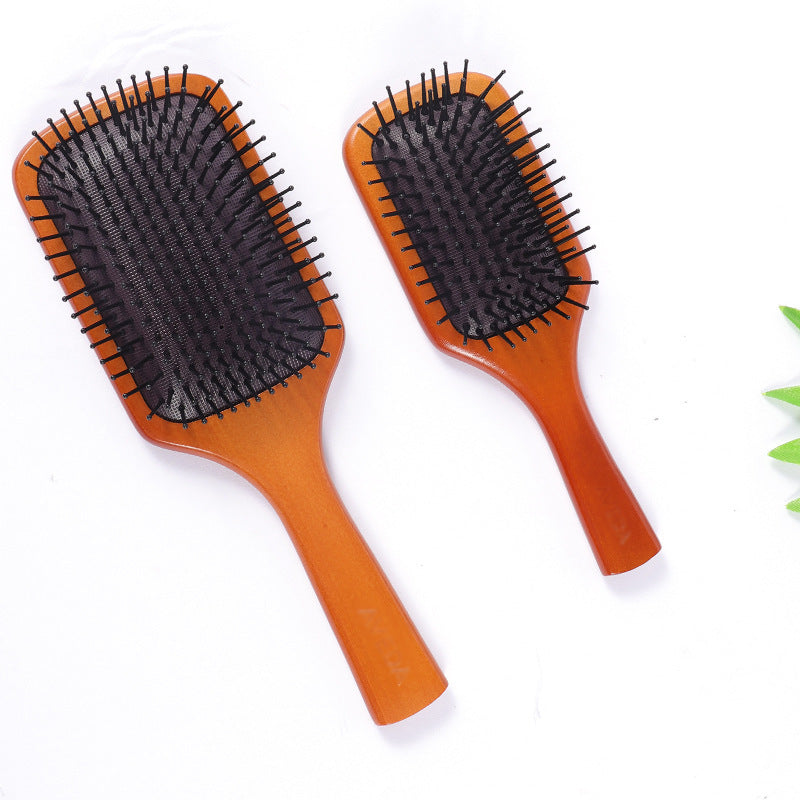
{"type": "Point", "coordinates": [275, 444]}
{"type": "Point", "coordinates": [541, 370]}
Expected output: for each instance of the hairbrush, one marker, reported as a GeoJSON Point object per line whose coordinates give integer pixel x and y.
{"type": "Point", "coordinates": [491, 263]}
{"type": "Point", "coordinates": [196, 289]}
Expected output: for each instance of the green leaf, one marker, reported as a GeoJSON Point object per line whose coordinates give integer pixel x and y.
{"type": "Point", "coordinates": [792, 314]}
{"type": "Point", "coordinates": [791, 394]}
{"type": "Point", "coordinates": [794, 505]}
{"type": "Point", "coordinates": [787, 452]}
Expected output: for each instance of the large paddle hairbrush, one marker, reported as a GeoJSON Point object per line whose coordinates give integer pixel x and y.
{"type": "Point", "coordinates": [197, 292]}
{"type": "Point", "coordinates": [491, 263]}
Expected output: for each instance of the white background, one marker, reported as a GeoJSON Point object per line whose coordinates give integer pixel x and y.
{"type": "Point", "coordinates": [158, 638]}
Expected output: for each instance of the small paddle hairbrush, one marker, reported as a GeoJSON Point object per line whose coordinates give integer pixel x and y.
{"type": "Point", "coordinates": [491, 263]}
{"type": "Point", "coordinates": [196, 289]}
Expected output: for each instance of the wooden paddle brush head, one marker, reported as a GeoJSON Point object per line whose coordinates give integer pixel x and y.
{"type": "Point", "coordinates": [474, 225]}
{"type": "Point", "coordinates": [487, 253]}
{"type": "Point", "coordinates": [177, 253]}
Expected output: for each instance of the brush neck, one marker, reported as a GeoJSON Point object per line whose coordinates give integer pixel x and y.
{"type": "Point", "coordinates": [392, 666]}
{"type": "Point", "coordinates": [618, 531]}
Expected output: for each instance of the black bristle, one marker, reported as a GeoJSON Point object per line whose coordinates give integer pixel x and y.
{"type": "Point", "coordinates": [483, 220]}
{"type": "Point", "coordinates": [192, 274]}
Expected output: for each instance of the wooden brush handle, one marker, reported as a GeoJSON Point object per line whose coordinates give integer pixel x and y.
{"type": "Point", "coordinates": [394, 670]}
{"type": "Point", "coordinates": [617, 529]}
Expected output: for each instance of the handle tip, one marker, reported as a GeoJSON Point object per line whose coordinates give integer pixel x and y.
{"type": "Point", "coordinates": [408, 698]}
{"type": "Point", "coordinates": [614, 561]}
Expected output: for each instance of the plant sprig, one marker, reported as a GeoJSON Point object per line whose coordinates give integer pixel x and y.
{"type": "Point", "coordinates": [789, 451]}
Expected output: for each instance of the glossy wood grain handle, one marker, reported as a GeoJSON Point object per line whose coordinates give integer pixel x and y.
{"type": "Point", "coordinates": [394, 669]}
{"type": "Point", "coordinates": [617, 528]}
